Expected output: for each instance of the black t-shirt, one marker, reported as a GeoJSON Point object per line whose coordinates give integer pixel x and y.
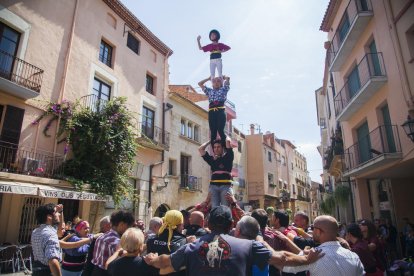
{"type": "Point", "coordinates": [130, 266]}
{"type": "Point", "coordinates": [302, 242]}
{"type": "Point", "coordinates": [223, 163]}
{"type": "Point", "coordinates": [196, 230]}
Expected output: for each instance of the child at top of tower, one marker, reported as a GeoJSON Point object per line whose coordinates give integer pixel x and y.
{"type": "Point", "coordinates": [215, 48]}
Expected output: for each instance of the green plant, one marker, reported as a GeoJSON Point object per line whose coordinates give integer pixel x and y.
{"type": "Point", "coordinates": [341, 195]}
{"type": "Point", "coordinates": [327, 206]}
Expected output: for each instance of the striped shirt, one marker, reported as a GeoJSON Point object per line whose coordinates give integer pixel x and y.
{"type": "Point", "coordinates": [105, 246]}
{"type": "Point", "coordinates": [45, 244]}
{"type": "Point", "coordinates": [337, 261]}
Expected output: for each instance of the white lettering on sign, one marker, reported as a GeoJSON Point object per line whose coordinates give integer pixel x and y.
{"type": "Point", "coordinates": [5, 189]}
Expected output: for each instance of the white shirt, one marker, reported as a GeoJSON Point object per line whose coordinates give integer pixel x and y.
{"type": "Point", "coordinates": [337, 261]}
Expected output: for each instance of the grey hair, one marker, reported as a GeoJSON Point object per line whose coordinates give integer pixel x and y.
{"type": "Point", "coordinates": [248, 227]}
{"type": "Point", "coordinates": [105, 220]}
{"type": "Point", "coordinates": [155, 222]}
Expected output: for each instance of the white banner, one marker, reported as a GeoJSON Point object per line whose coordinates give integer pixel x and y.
{"type": "Point", "coordinates": [18, 189]}
{"type": "Point", "coordinates": [55, 193]}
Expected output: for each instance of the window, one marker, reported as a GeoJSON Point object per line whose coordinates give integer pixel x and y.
{"type": "Point", "coordinates": [283, 160]}
{"type": "Point", "coordinates": [183, 127]}
{"type": "Point", "coordinates": [239, 146]}
{"type": "Point", "coordinates": [172, 167]}
{"type": "Point", "coordinates": [197, 133]}
{"type": "Point", "coordinates": [105, 53]}
{"type": "Point", "coordinates": [343, 27]}
{"type": "Point", "coordinates": [149, 84]}
{"type": "Point", "coordinates": [148, 122]}
{"type": "Point", "coordinates": [270, 179]}
{"type": "Point", "coordinates": [269, 156]}
{"type": "Point", "coordinates": [293, 189]}
{"type": "Point", "coordinates": [190, 131]}
{"type": "Point", "coordinates": [354, 84]}
{"type": "Point", "coordinates": [9, 42]}
{"type": "Point", "coordinates": [133, 43]}
{"type": "Point", "coordinates": [280, 184]}
{"type": "Point", "coordinates": [102, 93]}
{"type": "Point", "coordinates": [410, 42]}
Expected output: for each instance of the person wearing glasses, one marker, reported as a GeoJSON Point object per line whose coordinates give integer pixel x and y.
{"type": "Point", "coordinates": [337, 261]}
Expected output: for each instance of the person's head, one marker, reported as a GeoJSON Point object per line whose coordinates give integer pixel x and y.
{"type": "Point", "coordinates": [217, 148]}
{"type": "Point", "coordinates": [139, 223]}
{"type": "Point", "coordinates": [325, 228]}
{"type": "Point", "coordinates": [280, 219]}
{"type": "Point", "coordinates": [82, 228]}
{"type": "Point", "coordinates": [105, 224]}
{"type": "Point", "coordinates": [121, 221]}
{"type": "Point", "coordinates": [220, 219]}
{"type": "Point", "coordinates": [47, 214]}
{"type": "Point", "coordinates": [217, 83]}
{"type": "Point", "coordinates": [214, 35]}
{"type": "Point", "coordinates": [76, 219]}
{"type": "Point", "coordinates": [353, 233]}
{"type": "Point", "coordinates": [261, 216]}
{"type": "Point", "coordinates": [247, 228]}
{"type": "Point", "coordinates": [172, 221]}
{"type": "Point", "coordinates": [368, 229]}
{"type": "Point", "coordinates": [132, 241]}
{"type": "Point", "coordinates": [197, 218]}
{"type": "Point", "coordinates": [155, 224]}
{"type": "Point", "coordinates": [186, 216]}
{"type": "Point", "coordinates": [301, 220]}
{"type": "Point", "coordinates": [68, 225]}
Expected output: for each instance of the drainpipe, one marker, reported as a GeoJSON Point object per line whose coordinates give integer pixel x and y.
{"type": "Point", "coordinates": [65, 70]}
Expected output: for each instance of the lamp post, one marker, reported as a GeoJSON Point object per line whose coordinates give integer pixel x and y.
{"type": "Point", "coordinates": [408, 127]}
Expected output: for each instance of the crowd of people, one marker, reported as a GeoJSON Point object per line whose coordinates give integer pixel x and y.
{"type": "Point", "coordinates": [221, 241]}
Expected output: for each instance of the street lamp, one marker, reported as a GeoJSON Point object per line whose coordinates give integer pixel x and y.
{"type": "Point", "coordinates": [409, 127]}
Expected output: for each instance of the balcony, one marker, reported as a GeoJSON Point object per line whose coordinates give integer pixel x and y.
{"type": "Point", "coordinates": [14, 159]}
{"type": "Point", "coordinates": [92, 102]}
{"type": "Point", "coordinates": [190, 182]}
{"type": "Point", "coordinates": [333, 157]}
{"type": "Point", "coordinates": [302, 198]}
{"type": "Point", "coordinates": [379, 148]}
{"type": "Point", "coordinates": [153, 137]}
{"type": "Point", "coordinates": [369, 77]}
{"type": "Point", "coordinates": [230, 109]}
{"type": "Point", "coordinates": [19, 78]}
{"type": "Point", "coordinates": [356, 17]}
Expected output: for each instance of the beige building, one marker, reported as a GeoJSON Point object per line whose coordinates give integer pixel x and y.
{"type": "Point", "coordinates": [72, 50]}
{"type": "Point", "coordinates": [369, 91]}
{"type": "Point", "coordinates": [301, 185]}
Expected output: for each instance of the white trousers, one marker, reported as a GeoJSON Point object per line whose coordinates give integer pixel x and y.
{"type": "Point", "coordinates": [216, 63]}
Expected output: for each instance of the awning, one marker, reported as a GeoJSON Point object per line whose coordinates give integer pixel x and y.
{"type": "Point", "coordinates": [46, 191]}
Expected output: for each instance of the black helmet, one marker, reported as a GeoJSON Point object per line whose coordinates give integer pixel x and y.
{"type": "Point", "coordinates": [215, 32]}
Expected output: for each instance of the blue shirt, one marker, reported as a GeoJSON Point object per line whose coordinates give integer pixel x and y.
{"type": "Point", "coordinates": [45, 244]}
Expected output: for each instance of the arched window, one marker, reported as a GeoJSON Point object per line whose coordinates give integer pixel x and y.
{"type": "Point", "coordinates": [197, 133]}
{"type": "Point", "coordinates": [183, 127]}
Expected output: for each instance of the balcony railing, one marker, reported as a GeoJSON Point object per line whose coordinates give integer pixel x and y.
{"type": "Point", "coordinates": [24, 161]}
{"type": "Point", "coordinates": [21, 73]}
{"type": "Point", "coordinates": [370, 76]}
{"type": "Point", "coordinates": [335, 149]}
{"type": "Point", "coordinates": [157, 136]}
{"type": "Point", "coordinates": [352, 24]}
{"type": "Point", "coordinates": [381, 142]}
{"type": "Point", "coordinates": [190, 182]}
{"type": "Point", "coordinates": [92, 102]}
{"type": "Point", "coordinates": [231, 104]}
{"type": "Point", "coordinates": [302, 198]}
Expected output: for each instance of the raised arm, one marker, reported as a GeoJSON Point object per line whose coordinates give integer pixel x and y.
{"type": "Point", "coordinates": [202, 82]}
{"type": "Point", "coordinates": [199, 43]}
{"type": "Point", "coordinates": [202, 148]}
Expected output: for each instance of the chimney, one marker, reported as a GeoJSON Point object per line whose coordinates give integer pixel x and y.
{"type": "Point", "coordinates": [251, 129]}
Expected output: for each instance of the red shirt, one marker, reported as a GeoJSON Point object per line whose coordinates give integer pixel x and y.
{"type": "Point", "coordinates": [366, 257]}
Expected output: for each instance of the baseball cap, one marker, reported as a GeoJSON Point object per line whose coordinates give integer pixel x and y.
{"type": "Point", "coordinates": [220, 215]}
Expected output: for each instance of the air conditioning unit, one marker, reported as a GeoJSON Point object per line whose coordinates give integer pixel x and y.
{"type": "Point", "coordinates": [29, 164]}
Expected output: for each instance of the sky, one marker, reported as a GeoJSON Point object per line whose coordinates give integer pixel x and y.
{"type": "Point", "coordinates": [275, 63]}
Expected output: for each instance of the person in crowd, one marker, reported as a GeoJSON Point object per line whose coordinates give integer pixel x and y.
{"type": "Point", "coordinates": [218, 253]}
{"type": "Point", "coordinates": [406, 230]}
{"type": "Point", "coordinates": [47, 253]}
{"type": "Point", "coordinates": [75, 259]}
{"type": "Point", "coordinates": [337, 261]}
{"type": "Point", "coordinates": [139, 223]}
{"type": "Point", "coordinates": [196, 226]}
{"type": "Point", "coordinates": [104, 227]}
{"type": "Point", "coordinates": [391, 241]}
{"type": "Point", "coordinates": [154, 226]}
{"type": "Point", "coordinates": [186, 217]}
{"type": "Point", "coordinates": [108, 243]}
{"type": "Point", "coordinates": [169, 237]}
{"type": "Point", "coordinates": [369, 233]}
{"type": "Point", "coordinates": [409, 244]}
{"type": "Point", "coordinates": [360, 247]}
{"type": "Point", "coordinates": [301, 221]}
{"type": "Point", "coordinates": [280, 222]}
{"type": "Point", "coordinates": [221, 164]}
{"type": "Point", "coordinates": [76, 219]}
{"type": "Point", "coordinates": [127, 260]}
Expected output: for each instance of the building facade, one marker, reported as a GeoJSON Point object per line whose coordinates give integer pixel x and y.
{"type": "Point", "coordinates": [48, 55]}
{"type": "Point", "coordinates": [367, 79]}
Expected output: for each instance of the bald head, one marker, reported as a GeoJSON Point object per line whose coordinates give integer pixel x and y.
{"type": "Point", "coordinates": [197, 218]}
{"type": "Point", "coordinates": [328, 227]}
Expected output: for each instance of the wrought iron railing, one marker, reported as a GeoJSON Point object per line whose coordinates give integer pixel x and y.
{"type": "Point", "coordinates": [231, 104]}
{"type": "Point", "coordinates": [336, 148]}
{"type": "Point", "coordinates": [20, 72]}
{"type": "Point", "coordinates": [92, 102]}
{"type": "Point", "coordinates": [382, 140]}
{"type": "Point", "coordinates": [26, 161]}
{"type": "Point", "coordinates": [155, 134]}
{"type": "Point", "coordinates": [190, 182]}
{"type": "Point", "coordinates": [371, 66]}
{"type": "Point", "coordinates": [354, 8]}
